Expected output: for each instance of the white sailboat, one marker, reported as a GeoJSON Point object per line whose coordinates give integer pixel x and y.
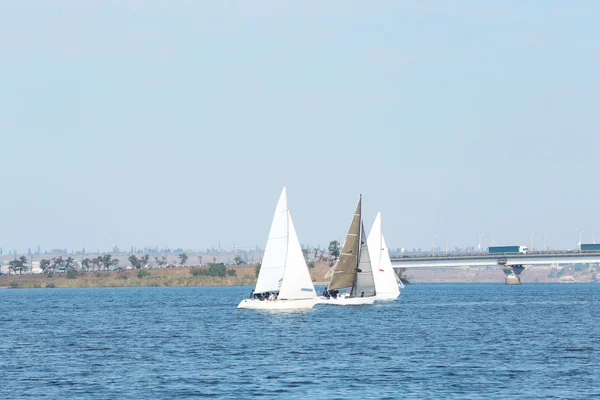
{"type": "Point", "coordinates": [353, 269]}
{"type": "Point", "coordinates": [387, 284]}
{"type": "Point", "coordinates": [283, 268]}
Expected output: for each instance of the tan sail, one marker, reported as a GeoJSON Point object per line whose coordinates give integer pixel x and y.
{"type": "Point", "coordinates": [345, 268]}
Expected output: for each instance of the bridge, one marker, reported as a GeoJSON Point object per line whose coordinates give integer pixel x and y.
{"type": "Point", "coordinates": [511, 263]}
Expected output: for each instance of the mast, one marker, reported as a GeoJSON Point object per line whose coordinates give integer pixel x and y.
{"type": "Point", "coordinates": [380, 242]}
{"type": "Point", "coordinates": [364, 280]}
{"type": "Point", "coordinates": [359, 243]}
{"type": "Point", "coordinates": [296, 282]}
{"type": "Point", "coordinates": [287, 232]}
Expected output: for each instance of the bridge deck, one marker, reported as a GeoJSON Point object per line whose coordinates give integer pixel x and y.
{"type": "Point", "coordinates": [487, 259]}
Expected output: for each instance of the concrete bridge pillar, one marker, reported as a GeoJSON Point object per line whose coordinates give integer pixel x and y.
{"type": "Point", "coordinates": [513, 274]}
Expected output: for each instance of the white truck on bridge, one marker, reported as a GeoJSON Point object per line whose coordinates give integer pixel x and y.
{"type": "Point", "coordinates": [508, 249]}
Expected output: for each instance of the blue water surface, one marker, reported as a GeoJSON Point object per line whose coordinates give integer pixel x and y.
{"type": "Point", "coordinates": [438, 341]}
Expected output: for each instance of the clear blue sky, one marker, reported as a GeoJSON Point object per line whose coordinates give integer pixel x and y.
{"type": "Point", "coordinates": [177, 123]}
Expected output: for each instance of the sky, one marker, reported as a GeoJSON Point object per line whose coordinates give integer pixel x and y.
{"type": "Point", "coordinates": [177, 123]}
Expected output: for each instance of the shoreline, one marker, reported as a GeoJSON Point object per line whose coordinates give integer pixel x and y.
{"type": "Point", "coordinates": [236, 275]}
{"type": "Point", "coordinates": [245, 275]}
{"type": "Point", "coordinates": [26, 286]}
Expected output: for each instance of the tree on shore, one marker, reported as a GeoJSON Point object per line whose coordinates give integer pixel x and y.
{"type": "Point", "coordinates": [139, 262]}
{"type": "Point", "coordinates": [96, 263]}
{"type": "Point", "coordinates": [305, 254]}
{"type": "Point", "coordinates": [107, 261]}
{"type": "Point", "coordinates": [23, 264]}
{"type": "Point", "coordinates": [13, 266]}
{"type": "Point", "coordinates": [86, 264]}
{"type": "Point", "coordinates": [57, 263]}
{"type": "Point", "coordinates": [69, 263]}
{"type": "Point", "coordinates": [135, 262]}
{"type": "Point", "coordinates": [162, 261]}
{"type": "Point", "coordinates": [334, 248]}
{"type": "Point", "coordinates": [18, 264]}
{"type": "Point", "coordinates": [182, 259]}
{"type": "Point", "coordinates": [217, 270]}
{"type": "Point", "coordinates": [45, 265]}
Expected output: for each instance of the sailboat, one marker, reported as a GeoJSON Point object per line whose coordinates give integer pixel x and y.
{"type": "Point", "coordinates": [353, 269]}
{"type": "Point", "coordinates": [283, 268]}
{"type": "Point", "coordinates": [387, 283]}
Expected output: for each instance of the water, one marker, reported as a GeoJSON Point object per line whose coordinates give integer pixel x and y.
{"type": "Point", "coordinates": [437, 341]}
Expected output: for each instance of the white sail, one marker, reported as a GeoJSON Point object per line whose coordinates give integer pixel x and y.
{"type": "Point", "coordinates": [274, 259]}
{"type": "Point", "coordinates": [385, 278]}
{"type": "Point", "coordinates": [297, 283]}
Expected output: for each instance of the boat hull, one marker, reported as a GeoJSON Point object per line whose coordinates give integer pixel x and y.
{"type": "Point", "coordinates": [387, 297]}
{"type": "Point", "coordinates": [347, 301]}
{"type": "Point", "coordinates": [253, 304]}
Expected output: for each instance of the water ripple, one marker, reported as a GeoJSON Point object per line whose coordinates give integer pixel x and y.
{"type": "Point", "coordinates": [438, 341]}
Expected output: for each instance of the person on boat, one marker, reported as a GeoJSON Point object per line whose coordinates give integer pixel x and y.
{"type": "Point", "coordinates": [252, 294]}
{"type": "Point", "coordinates": [362, 294]}
{"type": "Point", "coordinates": [272, 297]}
{"type": "Point", "coordinates": [276, 295]}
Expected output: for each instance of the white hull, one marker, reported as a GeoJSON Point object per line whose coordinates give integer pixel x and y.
{"type": "Point", "coordinates": [253, 304]}
{"type": "Point", "coordinates": [347, 301]}
{"type": "Point", "coordinates": [387, 297]}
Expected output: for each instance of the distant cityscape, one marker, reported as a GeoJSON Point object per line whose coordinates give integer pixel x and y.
{"type": "Point", "coordinates": [171, 256]}
{"type": "Point", "coordinates": [158, 257]}
{"type": "Point", "coordinates": [35, 260]}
